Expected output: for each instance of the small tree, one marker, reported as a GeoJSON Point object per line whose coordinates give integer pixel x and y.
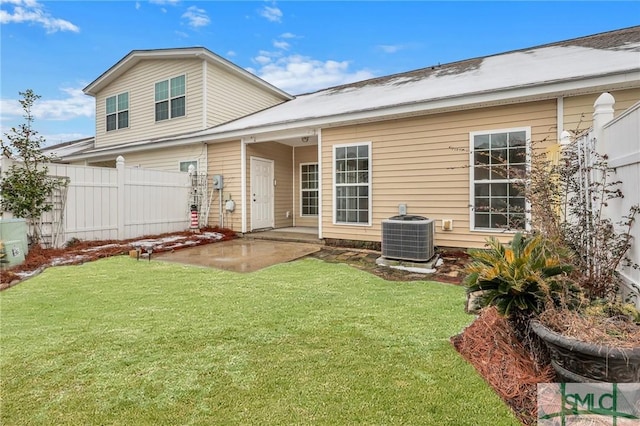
{"type": "Point", "coordinates": [26, 187]}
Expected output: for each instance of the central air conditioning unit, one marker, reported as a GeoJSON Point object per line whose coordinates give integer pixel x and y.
{"type": "Point", "coordinates": [408, 238]}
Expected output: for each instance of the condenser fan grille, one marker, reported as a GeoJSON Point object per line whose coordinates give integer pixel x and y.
{"type": "Point", "coordinates": [408, 238]}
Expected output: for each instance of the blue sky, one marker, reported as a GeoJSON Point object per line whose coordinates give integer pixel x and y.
{"type": "Point", "coordinates": [56, 48]}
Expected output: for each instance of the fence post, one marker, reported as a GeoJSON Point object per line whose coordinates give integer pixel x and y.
{"type": "Point", "coordinates": [121, 209]}
{"type": "Point", "coordinates": [602, 114]}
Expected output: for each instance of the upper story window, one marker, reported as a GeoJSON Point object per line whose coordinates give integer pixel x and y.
{"type": "Point", "coordinates": [352, 179]}
{"type": "Point", "coordinates": [117, 111]}
{"type": "Point", "coordinates": [309, 189]}
{"type": "Point", "coordinates": [170, 98]}
{"type": "Point", "coordinates": [498, 165]}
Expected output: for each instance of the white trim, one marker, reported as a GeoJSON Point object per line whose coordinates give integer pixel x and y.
{"type": "Point", "coordinates": [243, 183]}
{"type": "Point", "coordinates": [369, 183]}
{"type": "Point", "coordinates": [527, 130]}
{"type": "Point", "coordinates": [293, 186]}
{"type": "Point", "coordinates": [204, 94]}
{"type": "Point", "coordinates": [559, 118]}
{"type": "Point", "coordinates": [310, 163]}
{"type": "Point", "coordinates": [320, 188]}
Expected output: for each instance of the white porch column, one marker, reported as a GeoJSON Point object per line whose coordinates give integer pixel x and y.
{"type": "Point", "coordinates": [243, 184]}
{"type": "Point", "coordinates": [320, 183]}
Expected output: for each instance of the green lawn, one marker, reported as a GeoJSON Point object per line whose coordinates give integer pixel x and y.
{"type": "Point", "coordinates": [127, 342]}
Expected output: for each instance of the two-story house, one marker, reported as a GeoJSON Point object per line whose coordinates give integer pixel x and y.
{"type": "Point", "coordinates": [344, 159]}
{"type": "Point", "coordinates": [151, 94]}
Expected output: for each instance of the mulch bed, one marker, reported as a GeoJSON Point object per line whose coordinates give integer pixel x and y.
{"type": "Point", "coordinates": [489, 343]}
{"type": "Point", "coordinates": [491, 346]}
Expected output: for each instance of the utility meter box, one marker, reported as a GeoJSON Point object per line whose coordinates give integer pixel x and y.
{"type": "Point", "coordinates": [217, 182]}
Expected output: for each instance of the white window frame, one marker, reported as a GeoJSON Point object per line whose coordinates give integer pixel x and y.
{"type": "Point", "coordinates": [169, 98]}
{"type": "Point", "coordinates": [473, 181]}
{"type": "Point", "coordinates": [117, 112]}
{"type": "Point", "coordinates": [316, 190]}
{"type": "Point", "coordinates": [181, 162]}
{"type": "Point", "coordinates": [369, 185]}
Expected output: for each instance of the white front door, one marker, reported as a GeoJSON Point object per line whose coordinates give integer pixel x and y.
{"type": "Point", "coordinates": [261, 193]}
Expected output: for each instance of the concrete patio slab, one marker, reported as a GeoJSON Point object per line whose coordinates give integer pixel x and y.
{"type": "Point", "coordinates": [240, 255]}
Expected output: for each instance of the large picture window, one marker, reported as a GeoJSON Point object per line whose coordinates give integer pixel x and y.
{"type": "Point", "coordinates": [352, 201]}
{"type": "Point", "coordinates": [117, 111]}
{"type": "Point", "coordinates": [309, 189]}
{"type": "Point", "coordinates": [170, 98]}
{"type": "Point", "coordinates": [498, 167]}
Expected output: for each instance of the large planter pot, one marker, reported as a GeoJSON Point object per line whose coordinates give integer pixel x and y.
{"type": "Point", "coordinates": [583, 362]}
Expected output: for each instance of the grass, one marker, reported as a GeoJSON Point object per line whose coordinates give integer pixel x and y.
{"type": "Point", "coordinates": [124, 342]}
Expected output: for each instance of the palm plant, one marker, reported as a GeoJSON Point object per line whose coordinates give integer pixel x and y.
{"type": "Point", "coordinates": [518, 278]}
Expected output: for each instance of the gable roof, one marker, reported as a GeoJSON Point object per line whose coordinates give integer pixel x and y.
{"type": "Point", "coordinates": [582, 65]}
{"type": "Point", "coordinates": [136, 56]}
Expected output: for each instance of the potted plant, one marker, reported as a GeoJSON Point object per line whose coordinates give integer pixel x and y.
{"type": "Point", "coordinates": [559, 282]}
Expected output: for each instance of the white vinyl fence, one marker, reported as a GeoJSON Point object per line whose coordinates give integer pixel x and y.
{"type": "Point", "coordinates": [619, 140]}
{"type": "Point", "coordinates": [122, 203]}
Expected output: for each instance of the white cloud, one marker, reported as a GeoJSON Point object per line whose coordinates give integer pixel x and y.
{"type": "Point", "coordinates": [273, 14]}
{"type": "Point", "coordinates": [32, 12]}
{"type": "Point", "coordinates": [138, 5]}
{"type": "Point", "coordinates": [231, 53]}
{"type": "Point", "coordinates": [288, 35]}
{"type": "Point", "coordinates": [170, 2]}
{"type": "Point", "coordinates": [75, 104]}
{"type": "Point", "coordinates": [197, 17]}
{"type": "Point", "coordinates": [279, 44]}
{"type": "Point", "coordinates": [300, 74]}
{"type": "Point", "coordinates": [262, 60]}
{"type": "Point", "coordinates": [390, 48]}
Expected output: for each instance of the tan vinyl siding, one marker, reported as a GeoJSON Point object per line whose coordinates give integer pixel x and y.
{"type": "Point", "coordinates": [140, 81]}
{"type": "Point", "coordinates": [168, 159]}
{"type": "Point", "coordinates": [423, 162]}
{"type": "Point", "coordinates": [230, 97]}
{"type": "Point", "coordinates": [578, 110]}
{"type": "Point", "coordinates": [282, 156]}
{"type": "Point", "coordinates": [224, 159]}
{"type": "Point", "coordinates": [303, 154]}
